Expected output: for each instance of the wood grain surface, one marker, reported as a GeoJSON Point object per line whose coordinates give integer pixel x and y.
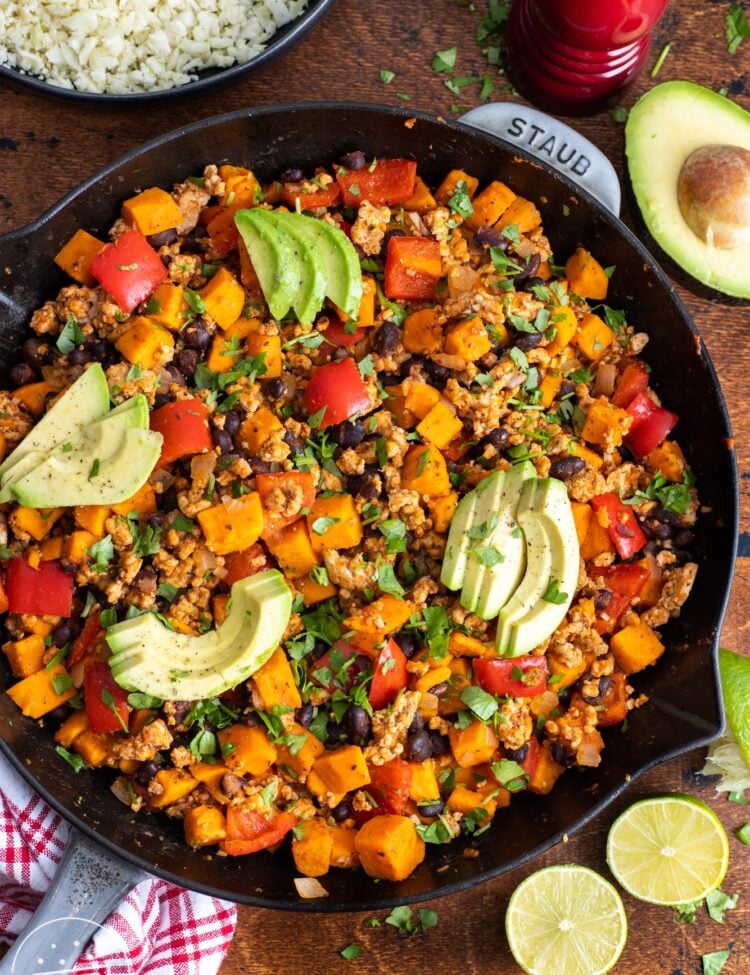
{"type": "Point", "coordinates": [47, 146]}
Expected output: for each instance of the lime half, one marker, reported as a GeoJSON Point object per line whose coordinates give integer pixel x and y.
{"type": "Point", "coordinates": [566, 920]}
{"type": "Point", "coordinates": [735, 686]}
{"type": "Point", "coordinates": [668, 850]}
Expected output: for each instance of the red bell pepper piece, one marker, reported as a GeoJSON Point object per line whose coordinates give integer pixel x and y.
{"type": "Point", "coordinates": [184, 426]}
{"type": "Point", "coordinates": [389, 787]}
{"type": "Point", "coordinates": [106, 702]}
{"type": "Point", "coordinates": [385, 181]}
{"type": "Point", "coordinates": [298, 482]}
{"type": "Point", "coordinates": [129, 270]}
{"type": "Point", "coordinates": [640, 408]}
{"type": "Point", "coordinates": [621, 523]}
{"type": "Point", "coordinates": [240, 565]}
{"type": "Point", "coordinates": [625, 582]}
{"type": "Point", "coordinates": [649, 430]}
{"type": "Point", "coordinates": [456, 448]}
{"type": "Point", "coordinates": [412, 269]}
{"type": "Point", "coordinates": [3, 597]}
{"type": "Point", "coordinates": [389, 677]}
{"type": "Point", "coordinates": [310, 201]}
{"type": "Point", "coordinates": [337, 334]}
{"type": "Point", "coordinates": [339, 388]}
{"type": "Point", "coordinates": [520, 677]}
{"type": "Point", "coordinates": [633, 381]}
{"type": "Point", "coordinates": [85, 639]}
{"type": "Point", "coordinates": [249, 831]}
{"type": "Point", "coordinates": [340, 667]}
{"type": "Point", "coordinates": [46, 591]}
{"type": "Point", "coordinates": [531, 761]}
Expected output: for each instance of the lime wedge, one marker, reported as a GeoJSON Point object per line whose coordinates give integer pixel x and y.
{"type": "Point", "coordinates": [566, 920]}
{"type": "Point", "coordinates": [668, 850]}
{"type": "Point", "coordinates": [735, 686]}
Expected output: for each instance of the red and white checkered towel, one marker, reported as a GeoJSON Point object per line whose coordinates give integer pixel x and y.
{"type": "Point", "coordinates": [157, 929]}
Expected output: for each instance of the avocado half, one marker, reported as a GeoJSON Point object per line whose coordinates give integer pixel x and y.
{"type": "Point", "coordinates": [665, 128]}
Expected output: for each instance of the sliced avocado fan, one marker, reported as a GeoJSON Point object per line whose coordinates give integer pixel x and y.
{"type": "Point", "coordinates": [148, 657]}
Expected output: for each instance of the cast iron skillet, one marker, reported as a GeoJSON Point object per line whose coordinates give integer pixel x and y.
{"type": "Point", "coordinates": [684, 710]}
{"type": "Point", "coordinates": [283, 40]}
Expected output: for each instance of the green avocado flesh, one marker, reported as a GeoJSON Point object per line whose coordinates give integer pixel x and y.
{"type": "Point", "coordinates": [148, 657]}
{"type": "Point", "coordinates": [525, 525]}
{"type": "Point", "coordinates": [300, 261]}
{"type": "Point", "coordinates": [105, 462]}
{"type": "Point", "coordinates": [663, 129]}
{"type": "Point", "coordinates": [82, 403]}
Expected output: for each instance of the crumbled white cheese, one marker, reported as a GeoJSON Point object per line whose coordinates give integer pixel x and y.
{"type": "Point", "coordinates": [121, 46]}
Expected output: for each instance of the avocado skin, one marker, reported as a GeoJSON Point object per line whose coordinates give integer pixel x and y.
{"type": "Point", "coordinates": [148, 657]}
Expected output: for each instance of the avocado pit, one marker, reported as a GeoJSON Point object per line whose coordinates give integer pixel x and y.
{"type": "Point", "coordinates": [713, 191]}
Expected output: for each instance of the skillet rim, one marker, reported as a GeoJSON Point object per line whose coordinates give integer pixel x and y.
{"type": "Point", "coordinates": [732, 516]}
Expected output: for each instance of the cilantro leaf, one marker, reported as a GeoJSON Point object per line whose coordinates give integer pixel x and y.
{"type": "Point", "coordinates": [444, 61]}
{"type": "Point", "coordinates": [487, 555]}
{"type": "Point", "coordinates": [70, 337]}
{"type": "Point", "coordinates": [102, 553]}
{"type": "Point", "coordinates": [387, 76]}
{"type": "Point", "coordinates": [388, 583]}
{"type": "Point", "coordinates": [76, 762]}
{"type": "Point", "coordinates": [736, 26]}
{"type": "Point", "coordinates": [351, 952]}
{"type": "Point", "coordinates": [481, 704]}
{"type": "Point", "coordinates": [718, 903]}
{"type": "Point", "coordinates": [553, 594]}
{"type": "Point", "coordinates": [714, 961]}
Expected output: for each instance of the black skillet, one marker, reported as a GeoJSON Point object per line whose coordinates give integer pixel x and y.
{"type": "Point", "coordinates": [684, 709]}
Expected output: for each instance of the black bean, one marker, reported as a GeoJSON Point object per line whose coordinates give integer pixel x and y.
{"type": "Point", "coordinates": [491, 237]}
{"type": "Point", "coordinates": [561, 755]}
{"type": "Point", "coordinates": [602, 600]}
{"type": "Point", "coordinates": [294, 443]}
{"type": "Point", "coordinates": [60, 713]}
{"type": "Point", "coordinates": [417, 724]}
{"type": "Point", "coordinates": [431, 808]}
{"type": "Point", "coordinates": [437, 373]}
{"type": "Point", "coordinates": [603, 683]}
{"type": "Point", "coordinates": [386, 338]}
{"type": "Point", "coordinates": [440, 690]}
{"type": "Point", "coordinates": [186, 361]}
{"type": "Point", "coordinates": [259, 466]}
{"type": "Point", "coordinates": [79, 357]}
{"type": "Point", "coordinates": [347, 434]}
{"type": "Point", "coordinates": [145, 772]}
{"type": "Point", "coordinates": [407, 365]}
{"type": "Point", "coordinates": [320, 647]}
{"type": "Point", "coordinates": [526, 341]}
{"type": "Point", "coordinates": [304, 715]}
{"type": "Point", "coordinates": [21, 374]}
{"type": "Point", "coordinates": [357, 725]}
{"type": "Point", "coordinates": [161, 399]}
{"type": "Point", "coordinates": [340, 352]}
{"type": "Point", "coordinates": [392, 379]}
{"type": "Point", "coordinates": [566, 388]}
{"type": "Point", "coordinates": [195, 335]}
{"type": "Point", "coordinates": [440, 744]}
{"type": "Point", "coordinates": [659, 530]}
{"type": "Point", "coordinates": [294, 175]}
{"type": "Point", "coordinates": [103, 352]}
{"type": "Point", "coordinates": [681, 556]}
{"type": "Point", "coordinates": [163, 239]}
{"type": "Point", "coordinates": [388, 236]}
{"type": "Point", "coordinates": [222, 440]}
{"type": "Point", "coordinates": [191, 244]}
{"type": "Point", "coordinates": [497, 438]}
{"type": "Point", "coordinates": [336, 734]}
{"type": "Point", "coordinates": [232, 423]}
{"type": "Point", "coordinates": [354, 160]}
{"type": "Point", "coordinates": [566, 467]}
{"type": "Point", "coordinates": [668, 517]}
{"type": "Point", "coordinates": [363, 486]}
{"type": "Point", "coordinates": [418, 747]}
{"type": "Point", "coordinates": [518, 754]}
{"type": "Point", "coordinates": [534, 282]}
{"type": "Point", "coordinates": [62, 634]}
{"type": "Point", "coordinates": [178, 711]}
{"type": "Point", "coordinates": [408, 643]}
{"type": "Point", "coordinates": [342, 811]}
{"type": "Point", "coordinates": [146, 581]}
{"type": "Point", "coordinates": [251, 720]}
{"type": "Point", "coordinates": [529, 269]}
{"type": "Point", "coordinates": [231, 784]}
{"type": "Point", "coordinates": [175, 373]}
{"type": "Point", "coordinates": [275, 388]}
{"type": "Point", "coordinates": [33, 352]}
{"type": "Point", "coordinates": [683, 538]}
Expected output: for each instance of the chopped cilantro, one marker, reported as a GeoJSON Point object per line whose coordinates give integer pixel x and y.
{"type": "Point", "coordinates": [194, 301]}
{"type": "Point", "coordinates": [445, 61]}
{"type": "Point", "coordinates": [737, 27]}
{"type": "Point", "coordinates": [387, 76]}
{"type": "Point", "coordinates": [460, 201]}
{"type": "Point", "coordinates": [619, 114]}
{"type": "Point", "coordinates": [321, 525]}
{"type": "Point", "coordinates": [70, 337]}
{"type": "Point", "coordinates": [139, 700]}
{"type": "Point", "coordinates": [394, 532]}
{"type": "Point", "coordinates": [76, 762]}
{"type": "Point", "coordinates": [510, 774]}
{"type": "Point", "coordinates": [102, 553]}
{"type": "Point", "coordinates": [552, 593]}
{"type": "Point", "coordinates": [714, 961]}
{"type": "Point", "coordinates": [718, 903]}
{"type": "Point", "coordinates": [481, 704]}
{"type": "Point", "coordinates": [487, 555]}
{"type": "Point", "coordinates": [387, 581]}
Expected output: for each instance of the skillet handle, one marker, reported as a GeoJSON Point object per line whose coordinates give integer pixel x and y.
{"type": "Point", "coordinates": [89, 884]}
{"type": "Point", "coordinates": [554, 143]}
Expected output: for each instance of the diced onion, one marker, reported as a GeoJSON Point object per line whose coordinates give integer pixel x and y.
{"type": "Point", "coordinates": [606, 375]}
{"type": "Point", "coordinates": [309, 888]}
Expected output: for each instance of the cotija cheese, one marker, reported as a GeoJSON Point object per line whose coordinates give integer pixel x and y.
{"type": "Point", "coordinates": [122, 46]}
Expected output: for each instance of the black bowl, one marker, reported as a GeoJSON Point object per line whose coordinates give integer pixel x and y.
{"type": "Point", "coordinates": [684, 708]}
{"type": "Point", "coordinates": [283, 40]}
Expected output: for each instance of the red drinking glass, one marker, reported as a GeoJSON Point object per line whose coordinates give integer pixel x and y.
{"type": "Point", "coordinates": [572, 55]}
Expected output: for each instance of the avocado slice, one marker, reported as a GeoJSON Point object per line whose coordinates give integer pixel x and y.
{"type": "Point", "coordinates": [665, 127]}
{"type": "Point", "coordinates": [553, 556]}
{"type": "Point", "coordinates": [86, 400]}
{"type": "Point", "coordinates": [105, 463]}
{"type": "Point", "coordinates": [148, 657]}
{"type": "Point", "coordinates": [311, 289]}
{"type": "Point", "coordinates": [457, 547]}
{"type": "Point", "coordinates": [273, 258]}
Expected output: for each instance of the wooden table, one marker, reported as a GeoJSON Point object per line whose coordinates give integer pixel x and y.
{"type": "Point", "coordinates": [47, 146]}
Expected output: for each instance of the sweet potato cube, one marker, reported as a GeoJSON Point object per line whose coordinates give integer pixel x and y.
{"type": "Point", "coordinates": [168, 306]}
{"type": "Point", "coordinates": [421, 199]}
{"type": "Point", "coordinates": [269, 346]}
{"type": "Point", "coordinates": [334, 523]}
{"type": "Point", "coordinates": [233, 525]}
{"type": "Point", "coordinates": [635, 647]}
{"type": "Point", "coordinates": [468, 339]}
{"type": "Point", "coordinates": [36, 695]}
{"type": "Point", "coordinates": [175, 783]}
{"type": "Point", "coordinates": [246, 751]}
{"type": "Point", "coordinates": [366, 312]}
{"type": "Point", "coordinates": [142, 503]}
{"type": "Point", "coordinates": [318, 787]}
{"type": "Point", "coordinates": [312, 846]}
{"type": "Point", "coordinates": [582, 514]}
{"type": "Point", "coordinates": [71, 728]}
{"type": "Point", "coordinates": [146, 343]}
{"type": "Point", "coordinates": [343, 853]}
{"type": "Point", "coordinates": [313, 592]}
{"type": "Point", "coordinates": [520, 213]}
{"type": "Point", "coordinates": [565, 675]}
{"type": "Point", "coordinates": [465, 800]}
{"type": "Point", "coordinates": [25, 656]}
{"type": "Point", "coordinates": [36, 522]}
{"type": "Point", "coordinates": [593, 460]}
{"type": "Point", "coordinates": [669, 460]}
{"type": "Point", "coordinates": [76, 547]}
{"type": "Point", "coordinates": [424, 785]}
{"type": "Point", "coordinates": [211, 776]}
{"type": "Point", "coordinates": [204, 826]}
{"type": "Point", "coordinates": [546, 773]}
{"type": "Point", "coordinates": [92, 517]}
{"type": "Point", "coordinates": [472, 745]}
{"type": "Point", "coordinates": [605, 425]}
{"type": "Point", "coordinates": [382, 616]}
{"type": "Point", "coordinates": [425, 471]}
{"type": "Point", "coordinates": [597, 541]}
{"type": "Point", "coordinates": [224, 298]}
{"type": "Point", "coordinates": [300, 760]}
{"type": "Point", "coordinates": [462, 645]}
{"type": "Point", "coordinates": [152, 211]}
{"type": "Point", "coordinates": [593, 337]}
{"type": "Point", "coordinates": [549, 387]}
{"type": "Point", "coordinates": [441, 510]}
{"type": "Point", "coordinates": [274, 683]}
{"type": "Point", "coordinates": [77, 256]}
{"type": "Point", "coordinates": [389, 847]}
{"type": "Point", "coordinates": [395, 402]}
{"type": "Point", "coordinates": [94, 749]}
{"type": "Point", "coordinates": [421, 333]}
{"type": "Point", "coordinates": [343, 770]}
{"type": "Point", "coordinates": [565, 323]}
{"type": "Point", "coordinates": [490, 205]}
{"type": "Point", "coordinates": [419, 398]}
{"type": "Point", "coordinates": [258, 428]}
{"type": "Point", "coordinates": [440, 425]}
{"type": "Point", "coordinates": [450, 184]}
{"type": "Point", "coordinates": [51, 549]}
{"type": "Point", "coordinates": [241, 188]}
{"type": "Point", "coordinates": [292, 549]}
{"type": "Point", "coordinates": [586, 276]}
{"type": "Point", "coordinates": [34, 396]}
